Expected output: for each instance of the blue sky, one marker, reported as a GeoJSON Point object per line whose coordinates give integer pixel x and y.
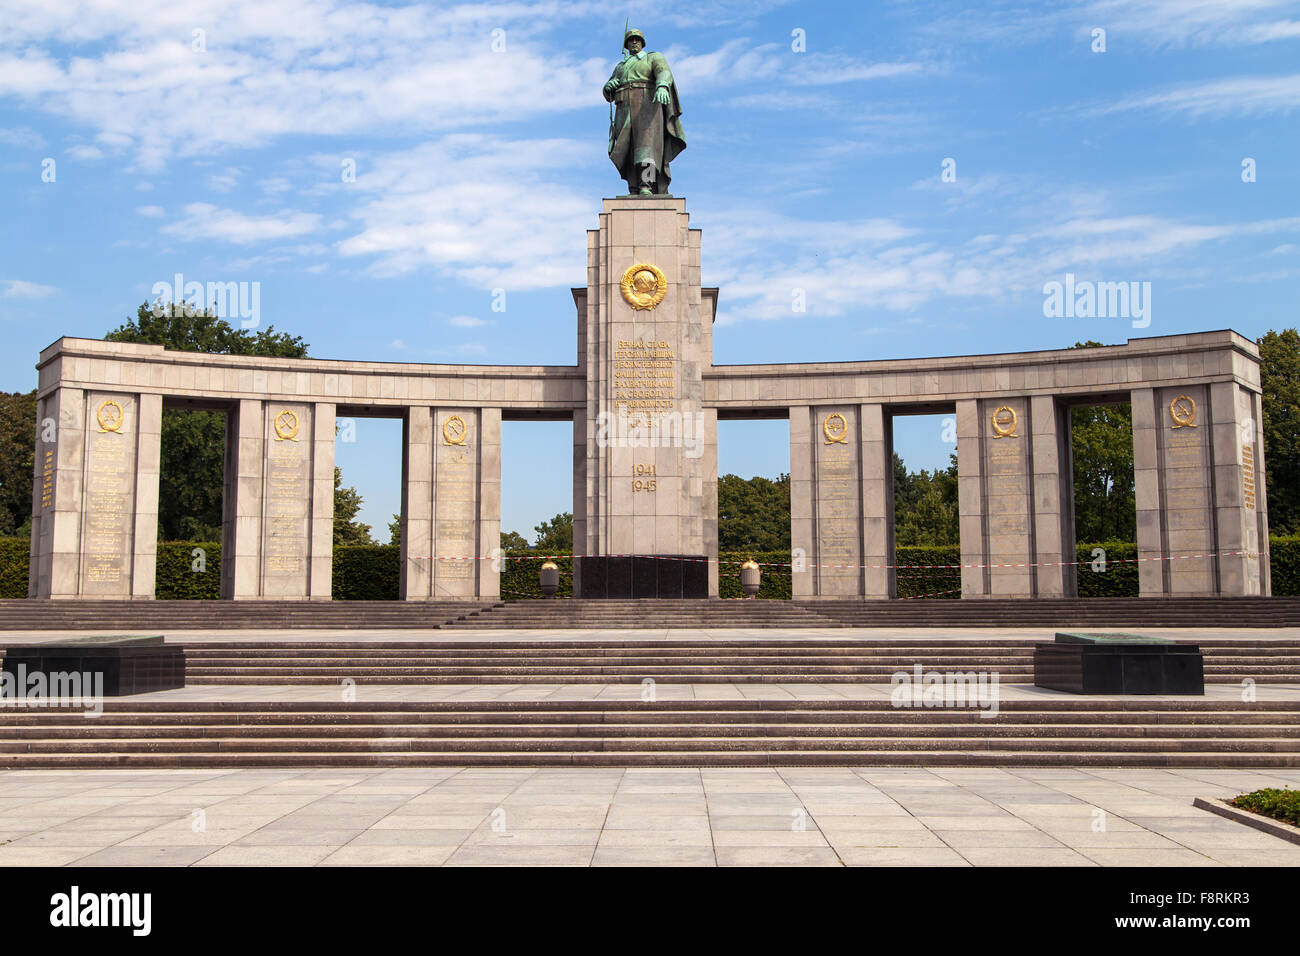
{"type": "Point", "coordinates": [477, 134]}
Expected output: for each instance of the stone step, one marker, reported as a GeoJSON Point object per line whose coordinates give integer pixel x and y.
{"type": "Point", "coordinates": [999, 758]}
{"type": "Point", "coordinates": [87, 736]}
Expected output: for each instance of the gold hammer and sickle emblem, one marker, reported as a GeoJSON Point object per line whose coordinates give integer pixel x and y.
{"type": "Point", "coordinates": [644, 286]}
{"type": "Point", "coordinates": [1004, 422]}
{"type": "Point", "coordinates": [109, 416]}
{"type": "Point", "coordinates": [454, 431]}
{"type": "Point", "coordinates": [286, 425]}
{"type": "Point", "coordinates": [836, 429]}
{"type": "Point", "coordinates": [1183, 411]}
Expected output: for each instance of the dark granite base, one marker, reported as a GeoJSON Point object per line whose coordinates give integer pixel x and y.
{"type": "Point", "coordinates": [131, 666]}
{"type": "Point", "coordinates": [1120, 668]}
{"type": "Point", "coordinates": [674, 576]}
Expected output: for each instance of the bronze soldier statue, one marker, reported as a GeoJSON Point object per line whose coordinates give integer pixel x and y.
{"type": "Point", "coordinates": [645, 131]}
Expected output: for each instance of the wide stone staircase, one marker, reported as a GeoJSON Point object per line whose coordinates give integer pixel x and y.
{"type": "Point", "coordinates": [1057, 731]}
{"type": "Point", "coordinates": [649, 613]}
{"type": "Point", "coordinates": [729, 661]}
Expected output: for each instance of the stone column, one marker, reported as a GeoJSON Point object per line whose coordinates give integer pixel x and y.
{"type": "Point", "coordinates": [970, 499]}
{"type": "Point", "coordinates": [803, 582]}
{"type": "Point", "coordinates": [584, 501]}
{"type": "Point", "coordinates": [1261, 499]}
{"type": "Point", "coordinates": [241, 503]}
{"type": "Point", "coordinates": [321, 548]}
{"type": "Point", "coordinates": [453, 504]}
{"type": "Point", "coordinates": [57, 488]}
{"type": "Point", "coordinates": [827, 484]}
{"type": "Point", "coordinates": [417, 505]}
{"type": "Point", "coordinates": [995, 467]}
{"type": "Point", "coordinates": [1053, 499]}
{"type": "Point", "coordinates": [148, 467]}
{"type": "Point", "coordinates": [709, 495]}
{"type": "Point", "coordinates": [876, 453]}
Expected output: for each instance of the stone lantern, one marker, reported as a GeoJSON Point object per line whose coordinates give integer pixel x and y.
{"type": "Point", "coordinates": [750, 576]}
{"type": "Point", "coordinates": [549, 578]}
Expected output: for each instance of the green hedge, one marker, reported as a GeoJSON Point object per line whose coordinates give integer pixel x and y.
{"type": "Point", "coordinates": [1120, 579]}
{"type": "Point", "coordinates": [182, 575]}
{"type": "Point", "coordinates": [1284, 563]}
{"type": "Point", "coordinates": [371, 572]}
{"type": "Point", "coordinates": [14, 554]}
{"type": "Point", "coordinates": [366, 572]}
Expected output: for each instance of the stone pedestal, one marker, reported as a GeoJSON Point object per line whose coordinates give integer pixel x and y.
{"type": "Point", "coordinates": [648, 458]}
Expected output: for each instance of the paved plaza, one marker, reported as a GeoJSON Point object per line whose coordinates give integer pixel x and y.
{"type": "Point", "coordinates": [599, 817]}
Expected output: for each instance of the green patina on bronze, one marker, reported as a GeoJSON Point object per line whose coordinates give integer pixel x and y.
{"type": "Point", "coordinates": [1066, 637]}
{"type": "Point", "coordinates": [645, 127]}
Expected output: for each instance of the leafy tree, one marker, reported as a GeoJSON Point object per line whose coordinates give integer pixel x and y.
{"type": "Point", "coordinates": [754, 514]}
{"type": "Point", "coordinates": [347, 502]}
{"type": "Point", "coordinates": [1104, 502]}
{"type": "Point", "coordinates": [930, 517]}
{"type": "Point", "coordinates": [395, 530]}
{"type": "Point", "coordinates": [193, 442]}
{"type": "Point", "coordinates": [184, 329]}
{"type": "Point", "coordinates": [17, 458]}
{"type": "Point", "coordinates": [1279, 373]}
{"type": "Point", "coordinates": [555, 536]}
{"type": "Point", "coordinates": [514, 541]}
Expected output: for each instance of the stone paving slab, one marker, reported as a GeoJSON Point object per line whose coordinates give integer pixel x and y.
{"type": "Point", "coordinates": [633, 817]}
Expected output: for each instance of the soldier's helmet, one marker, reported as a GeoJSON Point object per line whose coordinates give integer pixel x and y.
{"type": "Point", "coordinates": [633, 33]}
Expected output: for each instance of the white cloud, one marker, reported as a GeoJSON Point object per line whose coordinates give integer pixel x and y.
{"type": "Point", "coordinates": [205, 221]}
{"type": "Point", "coordinates": [468, 205]}
{"type": "Point", "coordinates": [21, 289]}
{"type": "Point", "coordinates": [85, 152]}
{"type": "Point", "coordinates": [1192, 23]}
{"type": "Point", "coordinates": [466, 321]}
{"type": "Point", "coordinates": [321, 65]}
{"type": "Point", "coordinates": [224, 181]}
{"type": "Point", "coordinates": [151, 212]}
{"type": "Point", "coordinates": [21, 136]}
{"type": "Point", "coordinates": [1232, 96]}
{"type": "Point", "coordinates": [848, 268]}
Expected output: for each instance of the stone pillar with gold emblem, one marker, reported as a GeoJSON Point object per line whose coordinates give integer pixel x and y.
{"type": "Point", "coordinates": [650, 449]}
{"type": "Point", "coordinates": [95, 494]}
{"type": "Point", "coordinates": [278, 509]}
{"type": "Point", "coordinates": [1013, 468]}
{"type": "Point", "coordinates": [451, 520]}
{"type": "Point", "coordinates": [1198, 476]}
{"type": "Point", "coordinates": [837, 494]}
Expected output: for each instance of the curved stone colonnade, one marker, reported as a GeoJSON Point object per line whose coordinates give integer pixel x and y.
{"type": "Point", "coordinates": [1199, 465]}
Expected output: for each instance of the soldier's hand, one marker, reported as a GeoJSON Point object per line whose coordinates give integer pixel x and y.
{"type": "Point", "coordinates": [661, 96]}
